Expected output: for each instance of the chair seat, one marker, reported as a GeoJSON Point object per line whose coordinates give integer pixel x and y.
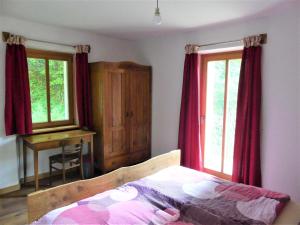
{"type": "Point", "coordinates": [71, 157]}
{"type": "Point", "coordinates": [68, 165]}
{"type": "Point", "coordinates": [68, 157]}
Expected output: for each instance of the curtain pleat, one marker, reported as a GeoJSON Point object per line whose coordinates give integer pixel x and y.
{"type": "Point", "coordinates": [189, 127]}
{"type": "Point", "coordinates": [83, 91]}
{"type": "Point", "coordinates": [17, 91]}
{"type": "Point", "coordinates": [246, 161]}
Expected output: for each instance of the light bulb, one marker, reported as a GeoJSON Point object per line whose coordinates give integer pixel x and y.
{"type": "Point", "coordinates": [157, 17]}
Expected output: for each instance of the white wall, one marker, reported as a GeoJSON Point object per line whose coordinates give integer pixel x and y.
{"type": "Point", "coordinates": [298, 121]}
{"type": "Point", "coordinates": [281, 97]}
{"type": "Point", "coordinates": [298, 81]}
{"type": "Point", "coordinates": [102, 48]}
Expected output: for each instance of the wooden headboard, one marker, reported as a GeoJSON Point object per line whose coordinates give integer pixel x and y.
{"type": "Point", "coordinates": [41, 202]}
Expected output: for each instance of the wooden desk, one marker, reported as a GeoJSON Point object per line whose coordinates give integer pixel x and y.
{"type": "Point", "coordinates": [40, 142]}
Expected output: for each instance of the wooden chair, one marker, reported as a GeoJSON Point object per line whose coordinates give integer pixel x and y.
{"type": "Point", "coordinates": [71, 157]}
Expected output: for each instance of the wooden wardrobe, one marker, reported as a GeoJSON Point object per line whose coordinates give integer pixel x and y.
{"type": "Point", "coordinates": [121, 101]}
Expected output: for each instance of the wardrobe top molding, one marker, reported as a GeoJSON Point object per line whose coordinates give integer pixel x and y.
{"type": "Point", "coordinates": [122, 65]}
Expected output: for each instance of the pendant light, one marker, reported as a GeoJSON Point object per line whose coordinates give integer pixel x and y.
{"type": "Point", "coordinates": [157, 17]}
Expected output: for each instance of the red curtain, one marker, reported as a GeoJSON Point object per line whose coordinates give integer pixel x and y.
{"type": "Point", "coordinates": [83, 91]}
{"type": "Point", "coordinates": [189, 127]}
{"type": "Point", "coordinates": [246, 161]}
{"type": "Point", "coordinates": [17, 92]}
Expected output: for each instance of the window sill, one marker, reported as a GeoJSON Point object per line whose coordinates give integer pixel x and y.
{"type": "Point", "coordinates": [54, 129]}
{"type": "Point", "coordinates": [218, 174]}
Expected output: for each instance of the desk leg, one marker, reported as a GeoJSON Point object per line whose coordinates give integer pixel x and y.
{"type": "Point", "coordinates": [91, 152]}
{"type": "Point", "coordinates": [24, 163]}
{"type": "Point", "coordinates": [36, 170]}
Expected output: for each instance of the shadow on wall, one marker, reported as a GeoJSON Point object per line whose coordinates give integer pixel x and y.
{"type": "Point", "coordinates": [8, 161]}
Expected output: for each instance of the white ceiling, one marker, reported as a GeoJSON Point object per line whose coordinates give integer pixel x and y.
{"type": "Point", "coordinates": [132, 19]}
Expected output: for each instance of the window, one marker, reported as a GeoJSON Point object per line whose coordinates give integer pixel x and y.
{"type": "Point", "coordinates": [221, 73]}
{"type": "Point", "coordinates": [51, 82]}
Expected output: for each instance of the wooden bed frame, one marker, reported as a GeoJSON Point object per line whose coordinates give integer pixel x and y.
{"type": "Point", "coordinates": [41, 202]}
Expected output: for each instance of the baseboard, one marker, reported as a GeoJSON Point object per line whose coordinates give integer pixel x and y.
{"type": "Point", "coordinates": [45, 175]}
{"type": "Point", "coordinates": [9, 189]}
{"type": "Point", "coordinates": [28, 179]}
{"type": "Point", "coordinates": [17, 187]}
{"type": "Point", "coordinates": [41, 176]}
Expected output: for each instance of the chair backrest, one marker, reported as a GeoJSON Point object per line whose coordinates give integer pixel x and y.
{"type": "Point", "coordinates": [74, 146]}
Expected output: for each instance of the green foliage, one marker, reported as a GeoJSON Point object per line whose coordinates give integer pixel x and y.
{"type": "Point", "coordinates": [58, 102]}
{"type": "Point", "coordinates": [218, 93]}
{"type": "Point", "coordinates": [38, 89]}
{"type": "Point", "coordinates": [215, 112]}
{"type": "Point", "coordinates": [233, 83]}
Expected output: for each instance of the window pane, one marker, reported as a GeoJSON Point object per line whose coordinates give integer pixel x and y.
{"type": "Point", "coordinates": [214, 114]}
{"type": "Point", "coordinates": [232, 90]}
{"type": "Point", "coordinates": [38, 90]}
{"type": "Point", "coordinates": [58, 76]}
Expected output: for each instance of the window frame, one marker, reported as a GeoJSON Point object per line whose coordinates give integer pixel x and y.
{"type": "Point", "coordinates": [51, 55]}
{"type": "Point", "coordinates": [205, 58]}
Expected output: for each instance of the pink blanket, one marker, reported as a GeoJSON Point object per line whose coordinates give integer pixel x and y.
{"type": "Point", "coordinates": [175, 195]}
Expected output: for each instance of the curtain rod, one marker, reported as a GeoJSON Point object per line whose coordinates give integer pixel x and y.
{"type": "Point", "coordinates": [5, 36]}
{"type": "Point", "coordinates": [263, 41]}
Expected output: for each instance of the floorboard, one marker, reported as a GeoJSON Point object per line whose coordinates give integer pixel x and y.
{"type": "Point", "coordinates": [13, 207]}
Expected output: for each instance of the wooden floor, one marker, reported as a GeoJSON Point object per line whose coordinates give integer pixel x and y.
{"type": "Point", "coordinates": [13, 208]}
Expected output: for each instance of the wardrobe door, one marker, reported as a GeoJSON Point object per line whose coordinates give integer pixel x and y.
{"type": "Point", "coordinates": [116, 141]}
{"type": "Point", "coordinates": [140, 118]}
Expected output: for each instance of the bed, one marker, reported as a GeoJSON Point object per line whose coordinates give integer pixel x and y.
{"type": "Point", "coordinates": [159, 191]}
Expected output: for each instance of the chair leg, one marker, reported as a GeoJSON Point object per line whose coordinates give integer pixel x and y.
{"type": "Point", "coordinates": [64, 172]}
{"type": "Point", "coordinates": [63, 164]}
{"type": "Point", "coordinates": [50, 174]}
{"type": "Point", "coordinates": [64, 175]}
{"type": "Point", "coordinates": [81, 171]}
{"type": "Point", "coordinates": [81, 165]}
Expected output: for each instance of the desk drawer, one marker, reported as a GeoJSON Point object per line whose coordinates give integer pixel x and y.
{"type": "Point", "coordinates": [47, 145]}
{"type": "Point", "coordinates": [57, 143]}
